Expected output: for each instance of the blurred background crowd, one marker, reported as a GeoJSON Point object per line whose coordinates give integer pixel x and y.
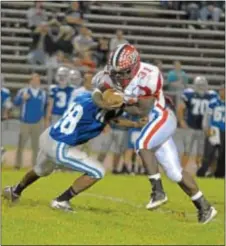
{"type": "Point", "coordinates": [185, 39]}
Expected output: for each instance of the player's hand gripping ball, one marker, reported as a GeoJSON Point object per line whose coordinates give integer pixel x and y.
{"type": "Point", "coordinates": [113, 98]}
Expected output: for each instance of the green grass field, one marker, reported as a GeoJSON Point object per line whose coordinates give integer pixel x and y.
{"type": "Point", "coordinates": [112, 212]}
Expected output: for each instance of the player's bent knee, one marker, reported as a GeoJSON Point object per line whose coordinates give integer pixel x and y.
{"type": "Point", "coordinates": [41, 172]}
{"type": "Point", "coordinates": [97, 173]}
{"type": "Point", "coordinates": [175, 175]}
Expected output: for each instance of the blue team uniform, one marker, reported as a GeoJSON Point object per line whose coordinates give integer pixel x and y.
{"type": "Point", "coordinates": [133, 133]}
{"type": "Point", "coordinates": [61, 98]}
{"type": "Point", "coordinates": [218, 113]}
{"type": "Point", "coordinates": [196, 106]}
{"type": "Point", "coordinates": [82, 121]}
{"type": "Point", "coordinates": [5, 97]}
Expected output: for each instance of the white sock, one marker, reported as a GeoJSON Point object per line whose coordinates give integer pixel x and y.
{"type": "Point", "coordinates": [155, 176]}
{"type": "Point", "coordinates": [196, 196]}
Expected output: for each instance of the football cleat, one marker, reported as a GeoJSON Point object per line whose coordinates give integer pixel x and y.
{"type": "Point", "coordinates": [157, 199]}
{"type": "Point", "coordinates": [9, 195]}
{"type": "Point", "coordinates": [206, 215]}
{"type": "Point", "coordinates": [64, 205]}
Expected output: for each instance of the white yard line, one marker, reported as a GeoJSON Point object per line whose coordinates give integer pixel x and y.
{"type": "Point", "coordinates": [140, 206]}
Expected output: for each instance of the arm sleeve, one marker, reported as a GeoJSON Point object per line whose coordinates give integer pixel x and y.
{"type": "Point", "coordinates": [101, 81]}
{"type": "Point", "coordinates": [213, 102]}
{"type": "Point", "coordinates": [18, 99]}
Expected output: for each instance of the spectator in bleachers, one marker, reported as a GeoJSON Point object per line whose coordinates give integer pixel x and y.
{"type": "Point", "coordinates": [84, 41]}
{"type": "Point", "coordinates": [192, 9]}
{"type": "Point", "coordinates": [36, 15]}
{"type": "Point", "coordinates": [102, 50]}
{"type": "Point", "coordinates": [65, 41]}
{"type": "Point", "coordinates": [28, 99]}
{"type": "Point", "coordinates": [74, 15]}
{"type": "Point", "coordinates": [118, 39]}
{"type": "Point", "coordinates": [177, 79]}
{"type": "Point", "coordinates": [211, 10]}
{"type": "Point", "coordinates": [84, 6]}
{"type": "Point", "coordinates": [37, 55]}
{"type": "Point", "coordinates": [54, 35]}
{"type": "Point", "coordinates": [86, 61]}
{"type": "Point", "coordinates": [173, 5]}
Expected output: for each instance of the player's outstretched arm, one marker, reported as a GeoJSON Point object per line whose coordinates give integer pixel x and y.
{"type": "Point", "coordinates": [129, 123]}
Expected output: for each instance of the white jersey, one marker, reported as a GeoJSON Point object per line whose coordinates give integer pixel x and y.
{"type": "Point", "coordinates": [148, 82]}
{"type": "Point", "coordinates": [157, 133]}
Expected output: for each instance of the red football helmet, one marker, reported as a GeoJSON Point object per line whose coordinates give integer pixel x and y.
{"type": "Point", "coordinates": [123, 64]}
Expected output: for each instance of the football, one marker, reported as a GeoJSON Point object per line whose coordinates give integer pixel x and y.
{"type": "Point", "coordinates": [113, 98]}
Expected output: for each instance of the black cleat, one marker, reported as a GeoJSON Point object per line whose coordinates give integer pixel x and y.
{"type": "Point", "coordinates": [206, 215]}
{"type": "Point", "coordinates": [157, 199]}
{"type": "Point", "coordinates": [9, 194]}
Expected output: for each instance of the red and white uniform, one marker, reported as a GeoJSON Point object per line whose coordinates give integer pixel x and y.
{"type": "Point", "coordinates": [157, 133]}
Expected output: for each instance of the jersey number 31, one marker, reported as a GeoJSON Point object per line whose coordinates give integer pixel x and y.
{"type": "Point", "coordinates": [69, 121]}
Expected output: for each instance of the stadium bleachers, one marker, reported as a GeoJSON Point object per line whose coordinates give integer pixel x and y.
{"type": "Point", "coordinates": [167, 39]}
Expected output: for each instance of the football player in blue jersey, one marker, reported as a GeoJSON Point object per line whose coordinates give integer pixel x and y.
{"type": "Point", "coordinates": [59, 95]}
{"type": "Point", "coordinates": [6, 105]}
{"type": "Point", "coordinates": [215, 140]}
{"type": "Point", "coordinates": [133, 163]}
{"type": "Point", "coordinates": [82, 121]}
{"type": "Point", "coordinates": [191, 111]}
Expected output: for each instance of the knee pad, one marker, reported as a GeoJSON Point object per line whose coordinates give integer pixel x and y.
{"type": "Point", "coordinates": [174, 175]}
{"type": "Point", "coordinates": [42, 171]}
{"type": "Point", "coordinates": [99, 173]}
{"type": "Point", "coordinates": [102, 173]}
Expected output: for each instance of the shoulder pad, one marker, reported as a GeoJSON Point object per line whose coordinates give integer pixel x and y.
{"type": "Point", "coordinates": [52, 87]}
{"type": "Point", "coordinates": [212, 92]}
{"type": "Point", "coordinates": [188, 90]}
{"type": "Point", "coordinates": [6, 90]}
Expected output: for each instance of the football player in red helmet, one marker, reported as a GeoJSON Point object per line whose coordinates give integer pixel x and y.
{"type": "Point", "coordinates": [123, 64]}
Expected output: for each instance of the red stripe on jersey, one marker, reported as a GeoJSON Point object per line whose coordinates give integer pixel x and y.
{"type": "Point", "coordinates": [147, 90]}
{"type": "Point", "coordinates": [107, 86]}
{"type": "Point", "coordinates": [147, 69]}
{"type": "Point", "coordinates": [155, 128]}
{"type": "Point", "coordinates": [159, 84]}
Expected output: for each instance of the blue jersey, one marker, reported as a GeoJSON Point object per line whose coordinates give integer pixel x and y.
{"type": "Point", "coordinates": [82, 121]}
{"type": "Point", "coordinates": [133, 133]}
{"type": "Point", "coordinates": [217, 119]}
{"type": "Point", "coordinates": [61, 98]}
{"type": "Point", "coordinates": [196, 106]}
{"type": "Point", "coordinates": [5, 98]}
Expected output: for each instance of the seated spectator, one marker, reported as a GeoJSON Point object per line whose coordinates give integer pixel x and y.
{"type": "Point", "coordinates": [74, 15]}
{"type": "Point", "coordinates": [59, 60]}
{"type": "Point", "coordinates": [37, 55]}
{"type": "Point", "coordinates": [84, 7]}
{"type": "Point", "coordinates": [36, 15]}
{"type": "Point", "coordinates": [192, 9]}
{"type": "Point", "coordinates": [102, 50]}
{"type": "Point", "coordinates": [84, 41]}
{"type": "Point", "coordinates": [65, 43]}
{"type": "Point", "coordinates": [86, 61]}
{"type": "Point", "coordinates": [177, 79]}
{"type": "Point", "coordinates": [118, 39]}
{"type": "Point", "coordinates": [211, 10]}
{"type": "Point", "coordinates": [173, 5]}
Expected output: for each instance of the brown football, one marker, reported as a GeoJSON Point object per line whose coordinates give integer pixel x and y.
{"type": "Point", "coordinates": [113, 98]}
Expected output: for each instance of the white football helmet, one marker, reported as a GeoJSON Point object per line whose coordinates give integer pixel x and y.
{"type": "Point", "coordinates": [75, 77]}
{"type": "Point", "coordinates": [200, 84]}
{"type": "Point", "coordinates": [62, 76]}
